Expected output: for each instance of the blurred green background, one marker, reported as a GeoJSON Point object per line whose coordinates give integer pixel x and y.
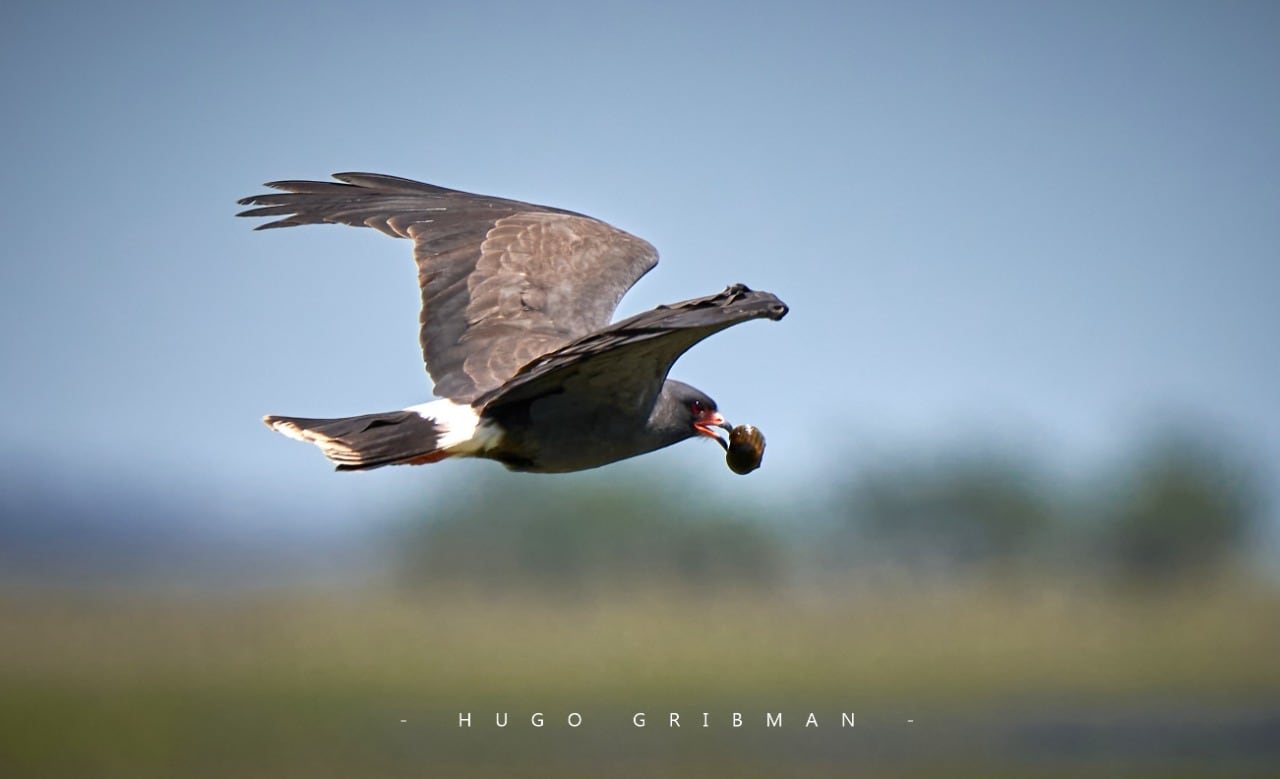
{"type": "Point", "coordinates": [976, 614]}
{"type": "Point", "coordinates": [1020, 511]}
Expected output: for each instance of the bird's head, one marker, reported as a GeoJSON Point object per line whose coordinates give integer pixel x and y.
{"type": "Point", "coordinates": [691, 412]}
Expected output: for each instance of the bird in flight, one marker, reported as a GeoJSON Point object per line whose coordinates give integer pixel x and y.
{"type": "Point", "coordinates": [515, 331]}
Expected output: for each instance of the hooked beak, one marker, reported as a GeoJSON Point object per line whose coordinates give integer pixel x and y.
{"type": "Point", "coordinates": [706, 424]}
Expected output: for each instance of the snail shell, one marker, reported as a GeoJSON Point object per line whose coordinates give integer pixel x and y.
{"type": "Point", "coordinates": [746, 449]}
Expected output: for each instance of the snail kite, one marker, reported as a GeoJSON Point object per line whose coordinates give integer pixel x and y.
{"type": "Point", "coordinates": [515, 331]}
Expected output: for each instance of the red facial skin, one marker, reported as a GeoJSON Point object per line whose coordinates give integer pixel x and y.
{"type": "Point", "coordinates": [706, 422]}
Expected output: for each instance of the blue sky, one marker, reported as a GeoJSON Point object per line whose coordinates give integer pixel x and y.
{"type": "Point", "coordinates": [1048, 224]}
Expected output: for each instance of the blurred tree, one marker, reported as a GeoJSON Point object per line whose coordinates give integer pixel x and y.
{"type": "Point", "coordinates": [955, 512]}
{"type": "Point", "coordinates": [564, 535]}
{"type": "Point", "coordinates": [1182, 510]}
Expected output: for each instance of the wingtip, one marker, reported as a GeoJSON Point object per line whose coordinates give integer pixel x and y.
{"type": "Point", "coordinates": [384, 181]}
{"type": "Point", "coordinates": [774, 307]}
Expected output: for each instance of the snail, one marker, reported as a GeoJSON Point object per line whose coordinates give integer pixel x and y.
{"type": "Point", "coordinates": [745, 449]}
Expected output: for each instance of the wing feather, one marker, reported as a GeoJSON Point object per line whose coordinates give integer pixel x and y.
{"type": "Point", "coordinates": [503, 282]}
{"type": "Point", "coordinates": [629, 360]}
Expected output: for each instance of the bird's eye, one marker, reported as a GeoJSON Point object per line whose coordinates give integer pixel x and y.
{"type": "Point", "coordinates": [697, 408]}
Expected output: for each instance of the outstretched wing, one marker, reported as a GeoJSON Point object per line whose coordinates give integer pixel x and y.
{"type": "Point", "coordinates": [625, 364]}
{"type": "Point", "coordinates": [503, 282]}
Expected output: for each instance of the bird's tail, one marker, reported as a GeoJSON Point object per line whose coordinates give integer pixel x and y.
{"type": "Point", "coordinates": [371, 440]}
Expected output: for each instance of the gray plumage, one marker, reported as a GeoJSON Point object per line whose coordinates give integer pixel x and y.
{"type": "Point", "coordinates": [516, 304]}
{"type": "Point", "coordinates": [366, 441]}
{"type": "Point", "coordinates": [502, 281]}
